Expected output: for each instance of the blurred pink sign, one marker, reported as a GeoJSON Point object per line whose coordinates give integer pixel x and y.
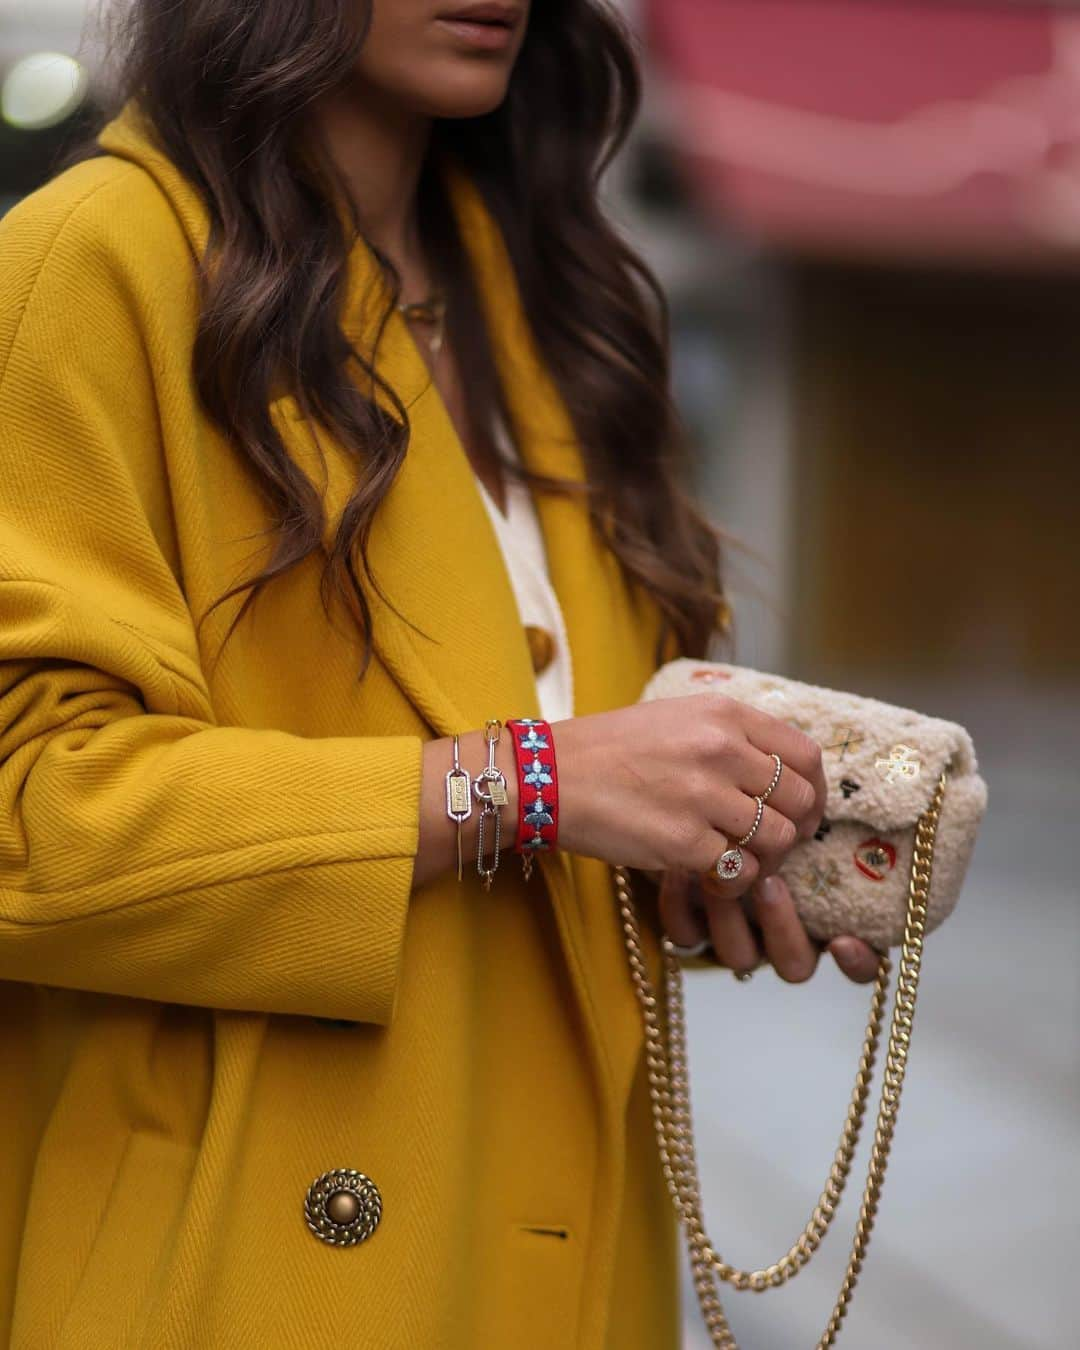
{"type": "Point", "coordinates": [878, 126]}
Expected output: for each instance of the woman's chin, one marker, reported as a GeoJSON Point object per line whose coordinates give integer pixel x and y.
{"type": "Point", "coordinates": [461, 93]}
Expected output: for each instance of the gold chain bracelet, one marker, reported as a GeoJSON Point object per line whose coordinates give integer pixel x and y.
{"type": "Point", "coordinates": [493, 799]}
{"type": "Point", "coordinates": [667, 1068]}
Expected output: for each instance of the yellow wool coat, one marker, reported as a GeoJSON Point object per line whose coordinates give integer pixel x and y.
{"type": "Point", "coordinates": [217, 981]}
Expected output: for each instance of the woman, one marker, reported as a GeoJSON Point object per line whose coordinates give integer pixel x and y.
{"type": "Point", "coordinates": [252, 585]}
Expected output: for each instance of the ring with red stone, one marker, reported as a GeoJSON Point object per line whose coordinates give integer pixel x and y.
{"type": "Point", "coordinates": [729, 864]}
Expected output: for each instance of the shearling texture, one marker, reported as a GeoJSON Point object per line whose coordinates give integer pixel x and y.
{"type": "Point", "coordinates": [882, 764]}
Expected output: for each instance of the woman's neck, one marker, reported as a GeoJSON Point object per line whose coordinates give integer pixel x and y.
{"type": "Point", "coordinates": [380, 151]}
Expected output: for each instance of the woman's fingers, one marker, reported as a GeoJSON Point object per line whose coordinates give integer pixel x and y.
{"type": "Point", "coordinates": [733, 939]}
{"type": "Point", "coordinates": [789, 947]}
{"type": "Point", "coordinates": [787, 943]}
{"type": "Point", "coordinates": [801, 758]}
{"type": "Point", "coordinates": [683, 920]}
{"type": "Point", "coordinates": [775, 835]}
{"type": "Point", "coordinates": [794, 796]}
{"type": "Point", "coordinates": [857, 959]}
{"type": "Point", "coordinates": [692, 911]}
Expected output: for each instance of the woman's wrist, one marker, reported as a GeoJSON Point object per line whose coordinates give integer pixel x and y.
{"type": "Point", "coordinates": [572, 775]}
{"type": "Point", "coordinates": [437, 851]}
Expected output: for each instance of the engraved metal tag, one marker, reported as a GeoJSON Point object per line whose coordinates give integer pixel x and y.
{"type": "Point", "coordinates": [458, 802]}
{"type": "Point", "coordinates": [497, 794]}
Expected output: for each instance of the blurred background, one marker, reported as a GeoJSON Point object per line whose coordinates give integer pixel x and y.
{"type": "Point", "coordinates": [866, 214]}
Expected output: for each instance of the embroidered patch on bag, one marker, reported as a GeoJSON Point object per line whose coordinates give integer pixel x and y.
{"type": "Point", "coordinates": [845, 739]}
{"type": "Point", "coordinates": [707, 676]}
{"type": "Point", "coordinates": [875, 858]}
{"type": "Point", "coordinates": [819, 879]}
{"type": "Point", "coordinates": [903, 762]}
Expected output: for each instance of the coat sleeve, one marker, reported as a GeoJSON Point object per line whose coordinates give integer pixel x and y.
{"type": "Point", "coordinates": [146, 850]}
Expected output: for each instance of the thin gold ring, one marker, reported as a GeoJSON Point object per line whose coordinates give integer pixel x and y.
{"type": "Point", "coordinates": [757, 821]}
{"type": "Point", "coordinates": [776, 776]}
{"type": "Point", "coordinates": [729, 864]}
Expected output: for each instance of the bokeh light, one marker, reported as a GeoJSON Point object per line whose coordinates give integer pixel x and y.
{"type": "Point", "coordinates": [41, 90]}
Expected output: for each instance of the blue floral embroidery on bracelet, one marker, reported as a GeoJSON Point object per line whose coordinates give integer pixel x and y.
{"type": "Point", "coordinates": [539, 816]}
{"type": "Point", "coordinates": [538, 773]}
{"type": "Point", "coordinates": [533, 741]}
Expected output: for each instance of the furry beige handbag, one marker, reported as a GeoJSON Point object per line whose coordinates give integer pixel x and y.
{"type": "Point", "coordinates": [904, 805]}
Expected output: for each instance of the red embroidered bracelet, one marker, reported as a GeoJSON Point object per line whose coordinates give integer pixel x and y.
{"type": "Point", "coordinates": [538, 787]}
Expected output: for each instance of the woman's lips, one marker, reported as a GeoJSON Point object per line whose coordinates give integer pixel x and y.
{"type": "Point", "coordinates": [487, 36]}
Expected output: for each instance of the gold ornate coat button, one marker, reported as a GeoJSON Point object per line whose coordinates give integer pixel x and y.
{"type": "Point", "coordinates": [343, 1207]}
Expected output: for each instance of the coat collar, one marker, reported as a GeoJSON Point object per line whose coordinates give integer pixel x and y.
{"type": "Point", "coordinates": [450, 634]}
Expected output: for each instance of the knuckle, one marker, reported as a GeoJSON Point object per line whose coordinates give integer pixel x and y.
{"type": "Point", "coordinates": [698, 785]}
{"type": "Point", "coordinates": [803, 798]}
{"type": "Point", "coordinates": [721, 712]}
{"type": "Point", "coordinates": [681, 842]}
{"type": "Point", "coordinates": [787, 835]}
{"type": "Point", "coordinates": [721, 741]}
{"type": "Point", "coordinates": [717, 707]}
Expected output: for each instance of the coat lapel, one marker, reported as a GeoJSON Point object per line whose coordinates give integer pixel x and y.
{"type": "Point", "coordinates": [451, 634]}
{"type": "Point", "coordinates": [448, 630]}
{"type": "Point", "coordinates": [611, 628]}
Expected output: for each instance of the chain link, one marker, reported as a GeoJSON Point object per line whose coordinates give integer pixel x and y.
{"type": "Point", "coordinates": [669, 1091]}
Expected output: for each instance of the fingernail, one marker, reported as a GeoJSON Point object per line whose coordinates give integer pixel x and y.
{"type": "Point", "coordinates": [846, 949]}
{"type": "Point", "coordinates": [771, 889]}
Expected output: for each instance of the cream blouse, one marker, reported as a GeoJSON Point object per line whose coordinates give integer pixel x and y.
{"type": "Point", "coordinates": [522, 543]}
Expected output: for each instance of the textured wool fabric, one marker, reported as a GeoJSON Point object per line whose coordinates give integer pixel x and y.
{"type": "Point", "coordinates": [206, 855]}
{"type": "Point", "coordinates": [882, 765]}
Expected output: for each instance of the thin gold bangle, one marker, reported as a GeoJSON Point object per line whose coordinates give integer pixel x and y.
{"type": "Point", "coordinates": [458, 800]}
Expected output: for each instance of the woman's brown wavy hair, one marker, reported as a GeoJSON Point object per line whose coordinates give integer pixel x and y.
{"type": "Point", "coordinates": [227, 86]}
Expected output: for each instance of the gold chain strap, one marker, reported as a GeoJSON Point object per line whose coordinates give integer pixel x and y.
{"type": "Point", "coordinates": [669, 1090]}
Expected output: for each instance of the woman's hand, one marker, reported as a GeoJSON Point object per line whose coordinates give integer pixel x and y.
{"type": "Point", "coordinates": [670, 785]}
{"type": "Point", "coordinates": [760, 925]}
{"type": "Point", "coordinates": [667, 786]}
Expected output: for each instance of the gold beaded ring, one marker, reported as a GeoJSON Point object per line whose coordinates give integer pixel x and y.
{"type": "Point", "coordinates": [776, 777]}
{"type": "Point", "coordinates": [730, 863]}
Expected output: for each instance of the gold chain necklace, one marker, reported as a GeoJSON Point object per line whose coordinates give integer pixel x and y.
{"type": "Point", "coordinates": [432, 311]}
